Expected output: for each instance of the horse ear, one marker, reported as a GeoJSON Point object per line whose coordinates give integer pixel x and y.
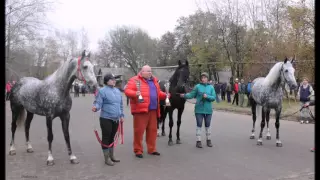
{"type": "Point", "coordinates": [179, 63]}
{"type": "Point", "coordinates": [285, 60]}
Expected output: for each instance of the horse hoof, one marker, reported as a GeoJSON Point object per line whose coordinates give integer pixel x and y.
{"type": "Point", "coordinates": [12, 152]}
{"type": "Point", "coordinates": [268, 137]}
{"type": "Point", "coordinates": [252, 137]}
{"type": "Point", "coordinates": [163, 134]}
{"type": "Point", "coordinates": [279, 144]}
{"type": "Point", "coordinates": [74, 161]}
{"type": "Point", "coordinates": [30, 150]}
{"type": "Point", "coordinates": [170, 143]}
{"type": "Point", "coordinates": [259, 143]}
{"type": "Point", "coordinates": [178, 141]}
{"type": "Point", "coordinates": [50, 163]}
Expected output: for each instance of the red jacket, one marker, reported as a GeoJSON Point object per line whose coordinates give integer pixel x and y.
{"type": "Point", "coordinates": [8, 87]}
{"type": "Point", "coordinates": [131, 90]}
{"type": "Point", "coordinates": [236, 87]}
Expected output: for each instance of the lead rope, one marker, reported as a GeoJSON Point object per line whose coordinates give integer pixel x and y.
{"type": "Point", "coordinates": [115, 142]}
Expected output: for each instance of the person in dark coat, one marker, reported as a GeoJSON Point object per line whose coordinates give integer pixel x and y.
{"type": "Point", "coordinates": [76, 90]}
{"type": "Point", "coordinates": [83, 90]}
{"type": "Point", "coordinates": [223, 91]}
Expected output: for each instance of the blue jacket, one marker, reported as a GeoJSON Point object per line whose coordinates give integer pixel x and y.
{"type": "Point", "coordinates": [249, 87]}
{"type": "Point", "coordinates": [109, 100]}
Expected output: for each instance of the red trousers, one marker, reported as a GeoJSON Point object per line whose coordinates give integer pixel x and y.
{"type": "Point", "coordinates": [145, 122]}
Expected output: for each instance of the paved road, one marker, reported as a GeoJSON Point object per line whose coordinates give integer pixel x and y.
{"type": "Point", "coordinates": [233, 157]}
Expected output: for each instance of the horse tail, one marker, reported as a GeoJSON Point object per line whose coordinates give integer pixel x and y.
{"type": "Point", "coordinates": [21, 118]}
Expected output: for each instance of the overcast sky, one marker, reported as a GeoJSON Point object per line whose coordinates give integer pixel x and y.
{"type": "Point", "coordinates": [98, 16]}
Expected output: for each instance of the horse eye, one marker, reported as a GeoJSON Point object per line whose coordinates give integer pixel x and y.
{"type": "Point", "coordinates": [85, 67]}
{"type": "Point", "coordinates": [286, 70]}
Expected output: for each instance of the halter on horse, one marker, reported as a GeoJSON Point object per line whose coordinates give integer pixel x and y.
{"type": "Point", "coordinates": [50, 98]}
{"type": "Point", "coordinates": [267, 94]}
{"type": "Point", "coordinates": [177, 85]}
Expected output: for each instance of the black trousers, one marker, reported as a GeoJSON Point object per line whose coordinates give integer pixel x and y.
{"type": "Point", "coordinates": [236, 98]}
{"type": "Point", "coordinates": [223, 95]}
{"type": "Point", "coordinates": [109, 129]}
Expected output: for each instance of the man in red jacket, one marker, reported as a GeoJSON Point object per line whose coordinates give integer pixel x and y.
{"type": "Point", "coordinates": [145, 113]}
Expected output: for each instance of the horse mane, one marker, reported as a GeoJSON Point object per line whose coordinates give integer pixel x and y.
{"type": "Point", "coordinates": [174, 78]}
{"type": "Point", "coordinates": [274, 74]}
{"type": "Point", "coordinates": [63, 68]}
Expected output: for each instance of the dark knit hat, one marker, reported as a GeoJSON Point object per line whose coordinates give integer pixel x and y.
{"type": "Point", "coordinates": [107, 77]}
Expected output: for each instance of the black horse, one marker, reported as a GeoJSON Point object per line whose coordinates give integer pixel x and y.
{"type": "Point", "coordinates": [177, 84]}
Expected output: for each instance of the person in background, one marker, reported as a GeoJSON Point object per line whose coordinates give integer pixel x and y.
{"type": "Point", "coordinates": [242, 92]}
{"type": "Point", "coordinates": [8, 90]}
{"type": "Point", "coordinates": [229, 91]}
{"type": "Point", "coordinates": [205, 95]}
{"type": "Point", "coordinates": [109, 100]}
{"type": "Point", "coordinates": [83, 90]}
{"type": "Point", "coordinates": [223, 91]}
{"type": "Point", "coordinates": [236, 92]}
{"type": "Point", "coordinates": [304, 93]}
{"type": "Point", "coordinates": [248, 91]}
{"type": "Point", "coordinates": [217, 89]}
{"type": "Point", "coordinates": [125, 86]}
{"type": "Point", "coordinates": [76, 89]}
{"type": "Point", "coordinates": [146, 113]}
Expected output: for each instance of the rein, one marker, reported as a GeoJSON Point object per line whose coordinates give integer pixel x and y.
{"type": "Point", "coordinates": [115, 141]}
{"type": "Point", "coordinates": [79, 71]}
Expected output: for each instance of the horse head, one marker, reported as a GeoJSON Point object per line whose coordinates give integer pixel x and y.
{"type": "Point", "coordinates": [287, 73]}
{"type": "Point", "coordinates": [85, 70]}
{"type": "Point", "coordinates": [181, 76]}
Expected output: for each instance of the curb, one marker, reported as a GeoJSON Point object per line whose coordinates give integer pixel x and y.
{"type": "Point", "coordinates": [235, 111]}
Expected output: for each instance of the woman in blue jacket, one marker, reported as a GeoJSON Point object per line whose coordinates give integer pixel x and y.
{"type": "Point", "coordinates": [109, 101]}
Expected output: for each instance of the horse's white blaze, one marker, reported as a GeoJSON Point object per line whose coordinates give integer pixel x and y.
{"type": "Point", "coordinates": [73, 157]}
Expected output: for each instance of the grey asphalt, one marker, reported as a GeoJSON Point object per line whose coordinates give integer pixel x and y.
{"type": "Point", "coordinates": [233, 157]}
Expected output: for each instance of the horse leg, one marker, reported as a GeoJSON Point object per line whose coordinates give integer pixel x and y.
{"type": "Point", "coordinates": [158, 125]}
{"type": "Point", "coordinates": [15, 115]}
{"type": "Point", "coordinates": [26, 130]}
{"type": "Point", "coordinates": [259, 143]}
{"type": "Point", "coordinates": [268, 137]}
{"type": "Point", "coordinates": [65, 118]}
{"type": "Point", "coordinates": [277, 124]}
{"type": "Point", "coordinates": [50, 160]}
{"type": "Point", "coordinates": [163, 133]}
{"type": "Point", "coordinates": [180, 111]}
{"type": "Point", "coordinates": [254, 117]}
{"type": "Point", "coordinates": [170, 143]}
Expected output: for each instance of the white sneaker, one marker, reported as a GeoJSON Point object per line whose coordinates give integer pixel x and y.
{"type": "Point", "coordinates": [307, 122]}
{"type": "Point", "coordinates": [301, 122]}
